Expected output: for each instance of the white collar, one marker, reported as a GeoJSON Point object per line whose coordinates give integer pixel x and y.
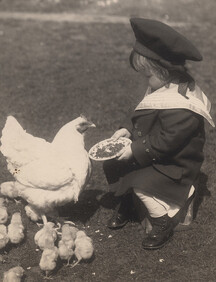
{"type": "Point", "coordinates": [169, 98]}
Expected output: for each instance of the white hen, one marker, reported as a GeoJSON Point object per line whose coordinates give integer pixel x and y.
{"type": "Point", "coordinates": [46, 174]}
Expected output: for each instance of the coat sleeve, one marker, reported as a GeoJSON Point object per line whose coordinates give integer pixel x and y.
{"type": "Point", "coordinates": [176, 127]}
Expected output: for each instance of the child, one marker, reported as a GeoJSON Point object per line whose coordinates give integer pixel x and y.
{"type": "Point", "coordinates": [167, 131]}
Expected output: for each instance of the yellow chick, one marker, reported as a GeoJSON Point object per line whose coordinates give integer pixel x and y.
{"type": "Point", "coordinates": [14, 274]}
{"type": "Point", "coordinates": [16, 229]}
{"type": "Point", "coordinates": [3, 236]}
{"type": "Point", "coordinates": [66, 244]}
{"type": "Point", "coordinates": [83, 247]}
{"type": "Point", "coordinates": [46, 237]}
{"type": "Point", "coordinates": [3, 212]}
{"type": "Point", "coordinates": [48, 260]}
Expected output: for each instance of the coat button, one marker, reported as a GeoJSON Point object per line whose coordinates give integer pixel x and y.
{"type": "Point", "coordinates": [144, 141]}
{"type": "Point", "coordinates": [147, 150]}
{"type": "Point", "coordinates": [135, 125]}
{"type": "Point", "coordinates": [139, 133]}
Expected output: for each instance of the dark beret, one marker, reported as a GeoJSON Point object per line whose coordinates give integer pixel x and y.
{"type": "Point", "coordinates": [157, 40]}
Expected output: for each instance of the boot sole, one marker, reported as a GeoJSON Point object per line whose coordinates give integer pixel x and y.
{"type": "Point", "coordinates": [118, 226]}
{"type": "Point", "coordinates": [159, 247]}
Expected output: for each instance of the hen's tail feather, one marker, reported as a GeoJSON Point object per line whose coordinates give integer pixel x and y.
{"type": "Point", "coordinates": [18, 146]}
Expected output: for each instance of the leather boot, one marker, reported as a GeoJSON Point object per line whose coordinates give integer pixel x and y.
{"type": "Point", "coordinates": [121, 214]}
{"type": "Point", "coordinates": [162, 231]}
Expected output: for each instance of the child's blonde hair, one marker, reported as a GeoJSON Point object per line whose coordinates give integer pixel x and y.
{"type": "Point", "coordinates": [139, 62]}
{"type": "Point", "coordinates": [167, 73]}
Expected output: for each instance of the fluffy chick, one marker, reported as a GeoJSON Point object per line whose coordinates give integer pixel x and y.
{"type": "Point", "coordinates": [73, 231]}
{"type": "Point", "coordinates": [45, 238]}
{"type": "Point", "coordinates": [3, 212]}
{"type": "Point", "coordinates": [66, 244]}
{"type": "Point", "coordinates": [48, 260]}
{"type": "Point", "coordinates": [64, 252]}
{"type": "Point", "coordinates": [3, 236]}
{"type": "Point", "coordinates": [16, 229]}
{"type": "Point", "coordinates": [14, 274]}
{"type": "Point", "coordinates": [83, 247]}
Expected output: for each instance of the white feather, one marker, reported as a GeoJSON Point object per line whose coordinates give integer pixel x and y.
{"type": "Point", "coordinates": [46, 174]}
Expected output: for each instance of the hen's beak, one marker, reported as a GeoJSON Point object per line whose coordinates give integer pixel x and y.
{"type": "Point", "coordinates": [88, 123]}
{"type": "Point", "coordinates": [91, 124]}
{"type": "Point", "coordinates": [84, 126]}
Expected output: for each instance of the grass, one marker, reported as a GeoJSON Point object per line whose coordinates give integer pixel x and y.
{"type": "Point", "coordinates": [52, 72]}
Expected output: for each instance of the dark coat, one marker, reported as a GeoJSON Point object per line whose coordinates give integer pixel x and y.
{"type": "Point", "coordinates": [167, 146]}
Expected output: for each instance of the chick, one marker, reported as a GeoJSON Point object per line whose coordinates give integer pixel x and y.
{"type": "Point", "coordinates": [16, 229]}
{"type": "Point", "coordinates": [14, 274]}
{"type": "Point", "coordinates": [66, 244]}
{"type": "Point", "coordinates": [3, 212]}
{"type": "Point", "coordinates": [46, 237]}
{"type": "Point", "coordinates": [83, 247]}
{"type": "Point", "coordinates": [73, 231]}
{"type": "Point", "coordinates": [48, 259]}
{"type": "Point", "coordinates": [3, 236]}
{"type": "Point", "coordinates": [64, 252]}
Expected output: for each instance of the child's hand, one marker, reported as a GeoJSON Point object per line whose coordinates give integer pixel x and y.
{"type": "Point", "coordinates": [125, 154]}
{"type": "Point", "coordinates": [123, 132]}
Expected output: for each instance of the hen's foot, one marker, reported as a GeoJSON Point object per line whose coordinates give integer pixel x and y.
{"type": "Point", "coordinates": [17, 202]}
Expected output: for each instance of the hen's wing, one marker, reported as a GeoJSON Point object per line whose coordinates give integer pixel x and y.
{"type": "Point", "coordinates": [20, 147]}
{"type": "Point", "coordinates": [50, 173]}
{"type": "Point", "coordinates": [61, 185]}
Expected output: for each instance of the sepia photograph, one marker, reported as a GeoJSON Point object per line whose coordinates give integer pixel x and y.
{"type": "Point", "coordinates": [107, 140]}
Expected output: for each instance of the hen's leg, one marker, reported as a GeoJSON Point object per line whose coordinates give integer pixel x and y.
{"type": "Point", "coordinates": [44, 219]}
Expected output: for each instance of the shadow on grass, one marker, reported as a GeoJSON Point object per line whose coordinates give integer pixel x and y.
{"type": "Point", "coordinates": [91, 200]}
{"type": "Point", "coordinates": [84, 209]}
{"type": "Point", "coordinates": [201, 192]}
{"type": "Point", "coordinates": [109, 201]}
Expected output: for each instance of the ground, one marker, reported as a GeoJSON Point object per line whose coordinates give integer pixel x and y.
{"type": "Point", "coordinates": [53, 70]}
